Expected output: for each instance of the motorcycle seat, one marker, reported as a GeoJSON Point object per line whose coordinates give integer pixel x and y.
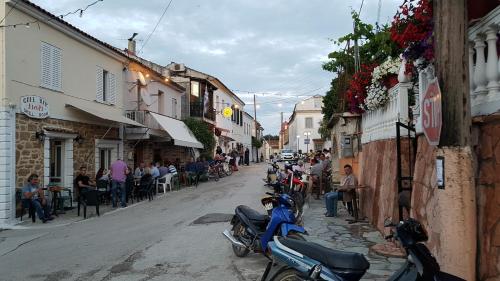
{"type": "Point", "coordinates": [333, 259]}
{"type": "Point", "coordinates": [251, 214]}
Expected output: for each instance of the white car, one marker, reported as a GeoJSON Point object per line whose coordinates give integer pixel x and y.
{"type": "Point", "coordinates": [286, 154]}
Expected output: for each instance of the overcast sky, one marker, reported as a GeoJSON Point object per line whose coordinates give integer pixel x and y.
{"type": "Point", "coordinates": [274, 48]}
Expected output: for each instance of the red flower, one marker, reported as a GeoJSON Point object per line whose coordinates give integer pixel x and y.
{"type": "Point", "coordinates": [356, 93]}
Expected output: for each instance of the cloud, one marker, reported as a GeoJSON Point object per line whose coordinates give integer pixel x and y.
{"type": "Point", "coordinates": [274, 48]}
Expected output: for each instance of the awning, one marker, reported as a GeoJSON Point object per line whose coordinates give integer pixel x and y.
{"type": "Point", "coordinates": [109, 115]}
{"type": "Point", "coordinates": [177, 130]}
{"type": "Point", "coordinates": [226, 138]}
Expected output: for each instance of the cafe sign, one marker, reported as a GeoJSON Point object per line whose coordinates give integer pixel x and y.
{"type": "Point", "coordinates": [35, 107]}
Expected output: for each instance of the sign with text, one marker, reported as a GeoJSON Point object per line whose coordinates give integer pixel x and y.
{"type": "Point", "coordinates": [431, 113]}
{"type": "Point", "coordinates": [35, 107]}
{"type": "Point", "coordinates": [307, 141]}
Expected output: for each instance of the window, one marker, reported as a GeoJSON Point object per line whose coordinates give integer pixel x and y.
{"type": "Point", "coordinates": [309, 122]}
{"type": "Point", "coordinates": [105, 158]}
{"type": "Point", "coordinates": [241, 118]}
{"type": "Point", "coordinates": [174, 107]}
{"type": "Point", "coordinates": [195, 88]}
{"type": "Point", "coordinates": [217, 107]}
{"type": "Point", "coordinates": [106, 86]}
{"type": "Point", "coordinates": [50, 67]}
{"type": "Point", "coordinates": [317, 103]}
{"type": "Point", "coordinates": [161, 102]}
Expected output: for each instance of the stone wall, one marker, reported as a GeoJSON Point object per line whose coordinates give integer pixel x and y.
{"type": "Point", "coordinates": [166, 151]}
{"type": "Point", "coordinates": [448, 214]}
{"type": "Point", "coordinates": [29, 150]}
{"type": "Point", "coordinates": [488, 199]}
{"type": "Point", "coordinates": [378, 172]}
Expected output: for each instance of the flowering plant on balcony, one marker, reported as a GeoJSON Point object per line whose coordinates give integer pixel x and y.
{"type": "Point", "coordinates": [412, 30]}
{"type": "Point", "coordinates": [384, 77]}
{"type": "Point", "coordinates": [356, 92]}
{"type": "Point", "coordinates": [377, 96]}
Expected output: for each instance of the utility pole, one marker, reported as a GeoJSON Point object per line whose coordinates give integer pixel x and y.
{"type": "Point", "coordinates": [281, 132]}
{"type": "Point", "coordinates": [255, 122]}
{"type": "Point", "coordinates": [456, 205]}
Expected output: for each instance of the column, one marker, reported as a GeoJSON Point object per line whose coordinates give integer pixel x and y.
{"type": "Point", "coordinates": [7, 150]}
{"type": "Point", "coordinates": [46, 161]}
{"type": "Point", "coordinates": [471, 68]}
{"type": "Point", "coordinates": [480, 71]}
{"type": "Point", "coordinates": [68, 163]}
{"type": "Point", "coordinates": [492, 62]}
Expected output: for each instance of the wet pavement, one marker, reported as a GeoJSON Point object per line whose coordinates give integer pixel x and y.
{"type": "Point", "coordinates": [338, 234]}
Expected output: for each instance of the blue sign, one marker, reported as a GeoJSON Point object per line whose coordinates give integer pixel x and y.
{"type": "Point", "coordinates": [306, 141]}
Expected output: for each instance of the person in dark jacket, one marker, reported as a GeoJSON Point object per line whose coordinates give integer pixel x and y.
{"type": "Point", "coordinates": [247, 157]}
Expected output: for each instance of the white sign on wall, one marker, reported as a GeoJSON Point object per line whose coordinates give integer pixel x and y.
{"type": "Point", "coordinates": [35, 107]}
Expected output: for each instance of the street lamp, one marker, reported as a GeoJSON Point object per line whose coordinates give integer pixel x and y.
{"type": "Point", "coordinates": [307, 134]}
{"type": "Point", "coordinates": [298, 137]}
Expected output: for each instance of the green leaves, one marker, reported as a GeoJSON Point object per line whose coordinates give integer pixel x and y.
{"type": "Point", "coordinates": [203, 134]}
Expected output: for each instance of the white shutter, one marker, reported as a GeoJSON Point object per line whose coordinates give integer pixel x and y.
{"type": "Point", "coordinates": [99, 85]}
{"type": "Point", "coordinates": [56, 68]}
{"type": "Point", "coordinates": [45, 54]}
{"type": "Point", "coordinates": [111, 88]}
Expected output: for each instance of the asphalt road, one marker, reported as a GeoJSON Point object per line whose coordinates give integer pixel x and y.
{"type": "Point", "coordinates": [150, 241]}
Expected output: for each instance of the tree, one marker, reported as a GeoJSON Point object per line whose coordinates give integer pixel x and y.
{"type": "Point", "coordinates": [203, 134]}
{"type": "Point", "coordinates": [270, 137]}
{"type": "Point", "coordinates": [256, 143]}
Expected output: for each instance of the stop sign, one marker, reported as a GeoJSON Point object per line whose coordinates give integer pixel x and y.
{"type": "Point", "coordinates": [431, 113]}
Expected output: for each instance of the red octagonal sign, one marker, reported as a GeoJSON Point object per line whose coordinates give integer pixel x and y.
{"type": "Point", "coordinates": [431, 113]}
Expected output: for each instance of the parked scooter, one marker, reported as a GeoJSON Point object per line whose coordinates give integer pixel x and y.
{"type": "Point", "coordinates": [300, 260]}
{"type": "Point", "coordinates": [252, 230]}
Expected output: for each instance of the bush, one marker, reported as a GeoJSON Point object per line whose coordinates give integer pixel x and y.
{"type": "Point", "coordinates": [256, 142]}
{"type": "Point", "coordinates": [203, 134]}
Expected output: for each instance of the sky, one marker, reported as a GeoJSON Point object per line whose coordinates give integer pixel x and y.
{"type": "Point", "coordinates": [271, 48]}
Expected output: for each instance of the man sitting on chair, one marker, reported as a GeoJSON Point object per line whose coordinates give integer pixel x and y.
{"type": "Point", "coordinates": [331, 198]}
{"type": "Point", "coordinates": [32, 191]}
{"type": "Point", "coordinates": [83, 182]}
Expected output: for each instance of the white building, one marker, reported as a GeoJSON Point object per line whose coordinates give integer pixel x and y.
{"type": "Point", "coordinates": [303, 126]}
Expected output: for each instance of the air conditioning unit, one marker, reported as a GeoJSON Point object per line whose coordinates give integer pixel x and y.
{"type": "Point", "coordinates": [178, 67]}
{"type": "Point", "coordinates": [346, 147]}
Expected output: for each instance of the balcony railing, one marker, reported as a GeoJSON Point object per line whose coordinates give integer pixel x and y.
{"type": "Point", "coordinates": [380, 124]}
{"type": "Point", "coordinates": [484, 65]}
{"type": "Point", "coordinates": [196, 110]}
{"type": "Point", "coordinates": [141, 116]}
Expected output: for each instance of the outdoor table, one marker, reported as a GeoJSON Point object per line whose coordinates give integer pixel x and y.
{"type": "Point", "coordinates": [56, 193]}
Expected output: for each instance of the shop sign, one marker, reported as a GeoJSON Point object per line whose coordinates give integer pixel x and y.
{"type": "Point", "coordinates": [431, 113]}
{"type": "Point", "coordinates": [35, 107]}
{"type": "Point", "coordinates": [227, 112]}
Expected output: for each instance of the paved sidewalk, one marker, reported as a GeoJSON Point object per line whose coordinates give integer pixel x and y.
{"type": "Point", "coordinates": [337, 234]}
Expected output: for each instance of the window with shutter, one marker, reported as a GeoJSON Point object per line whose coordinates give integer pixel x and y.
{"type": "Point", "coordinates": [99, 85]}
{"type": "Point", "coordinates": [111, 89]}
{"type": "Point", "coordinates": [50, 67]}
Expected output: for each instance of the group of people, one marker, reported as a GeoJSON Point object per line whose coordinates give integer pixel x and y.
{"type": "Point", "coordinates": [238, 157]}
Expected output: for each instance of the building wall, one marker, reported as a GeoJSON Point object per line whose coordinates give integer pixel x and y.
{"type": "Point", "coordinates": [80, 63]}
{"type": "Point", "coordinates": [488, 199]}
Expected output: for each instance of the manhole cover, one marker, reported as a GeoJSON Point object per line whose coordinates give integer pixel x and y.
{"type": "Point", "coordinates": [213, 218]}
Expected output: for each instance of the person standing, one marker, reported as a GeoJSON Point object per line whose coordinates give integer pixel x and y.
{"type": "Point", "coordinates": [118, 177]}
{"type": "Point", "coordinates": [247, 157]}
{"type": "Point", "coordinates": [32, 191]}
{"type": "Point", "coordinates": [218, 150]}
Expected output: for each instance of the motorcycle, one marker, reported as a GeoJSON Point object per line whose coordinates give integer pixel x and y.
{"type": "Point", "coordinates": [272, 171]}
{"type": "Point", "coordinates": [291, 183]}
{"type": "Point", "coordinates": [252, 231]}
{"type": "Point", "coordinates": [300, 260]}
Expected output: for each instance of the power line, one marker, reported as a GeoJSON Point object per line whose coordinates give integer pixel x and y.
{"type": "Point", "coordinates": [156, 26]}
{"type": "Point", "coordinates": [27, 24]}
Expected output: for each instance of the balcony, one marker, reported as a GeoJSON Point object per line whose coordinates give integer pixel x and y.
{"type": "Point", "coordinates": [484, 65]}
{"type": "Point", "coordinates": [196, 110]}
{"type": "Point", "coordinates": [143, 117]}
{"type": "Point", "coordinates": [380, 124]}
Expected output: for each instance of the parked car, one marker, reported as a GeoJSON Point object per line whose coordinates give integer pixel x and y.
{"type": "Point", "coordinates": [286, 154]}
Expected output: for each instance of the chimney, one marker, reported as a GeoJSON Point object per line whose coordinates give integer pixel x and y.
{"type": "Point", "coordinates": [131, 44]}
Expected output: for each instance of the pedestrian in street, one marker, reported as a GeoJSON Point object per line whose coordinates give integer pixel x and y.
{"type": "Point", "coordinates": [247, 157]}
{"type": "Point", "coordinates": [348, 184]}
{"type": "Point", "coordinates": [118, 177]}
{"type": "Point", "coordinates": [33, 192]}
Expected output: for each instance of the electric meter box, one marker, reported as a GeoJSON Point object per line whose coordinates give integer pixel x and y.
{"type": "Point", "coordinates": [346, 147]}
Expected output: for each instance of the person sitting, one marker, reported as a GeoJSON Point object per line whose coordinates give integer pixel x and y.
{"type": "Point", "coordinates": [146, 180]}
{"type": "Point", "coordinates": [154, 170]}
{"type": "Point", "coordinates": [171, 168]}
{"type": "Point", "coordinates": [331, 198]}
{"type": "Point", "coordinates": [299, 167]}
{"type": "Point", "coordinates": [163, 169]}
{"type": "Point", "coordinates": [316, 174]}
{"type": "Point", "coordinates": [99, 174]}
{"type": "Point", "coordinates": [191, 171]}
{"type": "Point", "coordinates": [33, 192]}
{"type": "Point", "coordinates": [83, 182]}
{"type": "Point", "coordinates": [139, 171]}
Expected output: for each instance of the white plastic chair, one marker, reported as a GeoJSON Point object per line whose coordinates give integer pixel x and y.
{"type": "Point", "coordinates": [166, 180]}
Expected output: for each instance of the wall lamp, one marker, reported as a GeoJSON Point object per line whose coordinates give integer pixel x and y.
{"type": "Point", "coordinates": [79, 139]}
{"type": "Point", "coordinates": [40, 136]}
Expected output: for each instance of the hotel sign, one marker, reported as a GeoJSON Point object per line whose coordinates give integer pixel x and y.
{"type": "Point", "coordinates": [35, 107]}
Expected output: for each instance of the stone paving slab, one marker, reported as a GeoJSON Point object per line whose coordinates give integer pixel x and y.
{"type": "Point", "coordinates": [337, 233]}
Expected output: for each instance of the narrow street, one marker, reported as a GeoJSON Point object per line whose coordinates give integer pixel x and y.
{"type": "Point", "coordinates": [150, 241]}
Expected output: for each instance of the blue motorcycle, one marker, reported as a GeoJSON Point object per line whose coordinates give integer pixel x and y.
{"type": "Point", "coordinates": [252, 231]}
{"type": "Point", "coordinates": [299, 260]}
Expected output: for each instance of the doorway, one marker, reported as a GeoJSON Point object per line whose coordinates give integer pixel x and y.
{"type": "Point", "coordinates": [56, 160]}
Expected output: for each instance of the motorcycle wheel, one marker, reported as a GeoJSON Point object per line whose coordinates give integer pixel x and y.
{"type": "Point", "coordinates": [238, 230]}
{"type": "Point", "coordinates": [229, 170]}
{"type": "Point", "coordinates": [296, 236]}
{"type": "Point", "coordinates": [288, 275]}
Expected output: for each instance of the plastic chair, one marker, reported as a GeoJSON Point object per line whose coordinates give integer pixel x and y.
{"type": "Point", "coordinates": [164, 181]}
{"type": "Point", "coordinates": [89, 198]}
